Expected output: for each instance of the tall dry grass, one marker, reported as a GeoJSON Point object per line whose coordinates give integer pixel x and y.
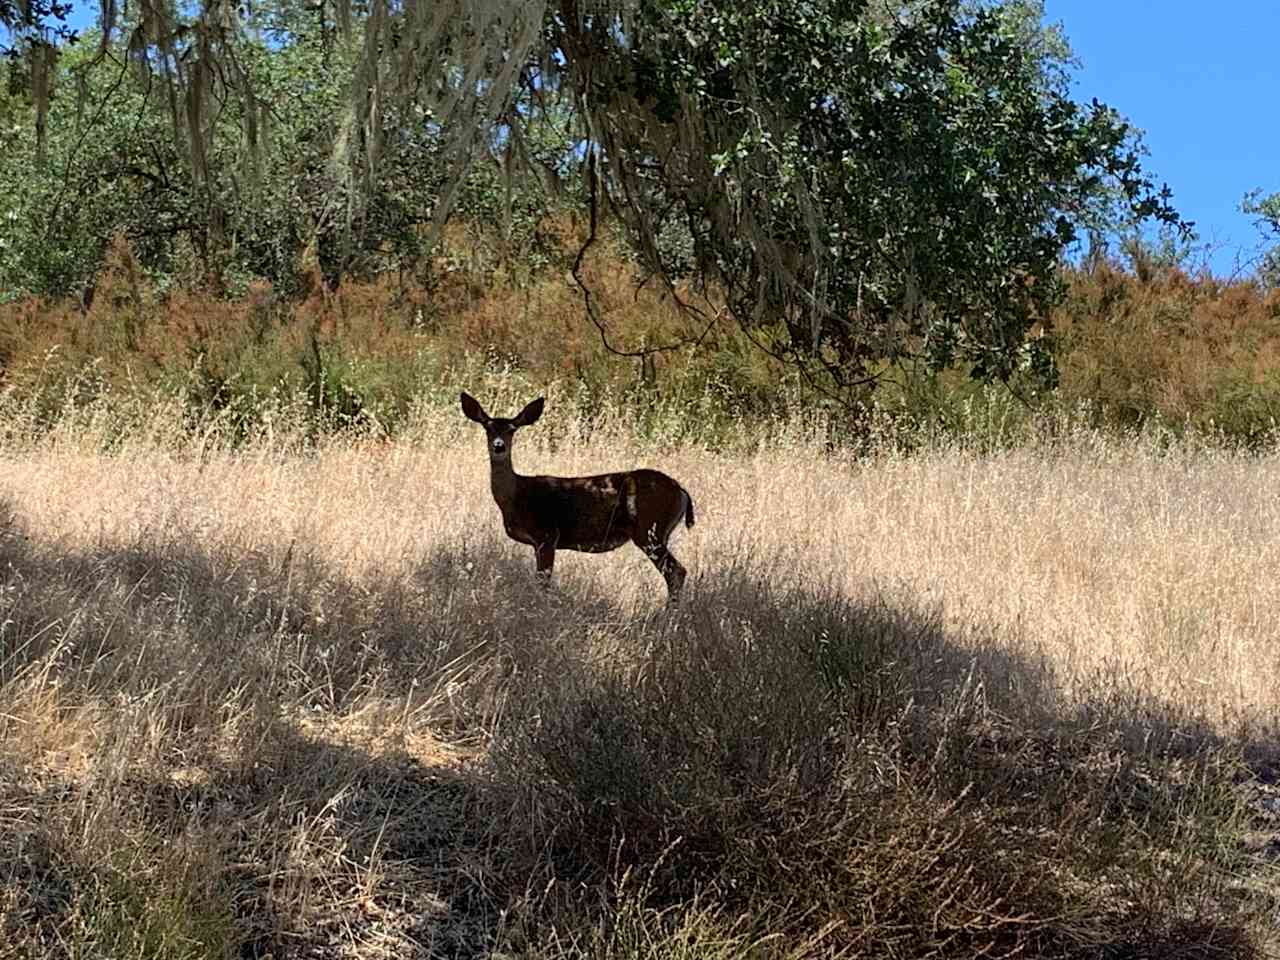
{"type": "Point", "coordinates": [306, 700]}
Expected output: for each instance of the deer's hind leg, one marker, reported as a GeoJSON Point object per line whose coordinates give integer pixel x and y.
{"type": "Point", "coordinates": [545, 557]}
{"type": "Point", "coordinates": [673, 572]}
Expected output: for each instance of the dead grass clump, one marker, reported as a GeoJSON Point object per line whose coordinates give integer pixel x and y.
{"type": "Point", "coordinates": [207, 753]}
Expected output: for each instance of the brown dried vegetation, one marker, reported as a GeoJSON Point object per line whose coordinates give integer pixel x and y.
{"type": "Point", "coordinates": [1161, 347]}
{"type": "Point", "coordinates": [1195, 351]}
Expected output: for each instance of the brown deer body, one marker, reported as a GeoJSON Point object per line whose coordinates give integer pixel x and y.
{"type": "Point", "coordinates": [590, 514]}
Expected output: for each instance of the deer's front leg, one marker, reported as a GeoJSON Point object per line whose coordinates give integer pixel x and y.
{"type": "Point", "coordinates": [545, 553]}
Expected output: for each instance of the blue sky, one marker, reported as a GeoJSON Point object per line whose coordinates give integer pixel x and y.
{"type": "Point", "coordinates": [1203, 82]}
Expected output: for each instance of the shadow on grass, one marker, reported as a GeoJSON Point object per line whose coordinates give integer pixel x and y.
{"type": "Point", "coordinates": [843, 776]}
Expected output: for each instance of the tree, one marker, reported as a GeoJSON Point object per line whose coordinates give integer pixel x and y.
{"type": "Point", "coordinates": [864, 183]}
{"type": "Point", "coordinates": [1267, 211]}
{"type": "Point", "coordinates": [24, 20]}
{"type": "Point", "coordinates": [865, 187]}
{"type": "Point", "coordinates": [111, 164]}
{"type": "Point", "coordinates": [266, 166]}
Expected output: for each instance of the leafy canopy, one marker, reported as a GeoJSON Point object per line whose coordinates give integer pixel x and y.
{"type": "Point", "coordinates": [864, 183]}
{"type": "Point", "coordinates": [870, 187]}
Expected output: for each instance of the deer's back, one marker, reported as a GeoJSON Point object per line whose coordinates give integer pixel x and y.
{"type": "Point", "coordinates": [592, 514]}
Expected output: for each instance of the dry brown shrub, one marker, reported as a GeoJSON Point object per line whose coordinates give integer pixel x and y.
{"type": "Point", "coordinates": [1187, 350]}
{"type": "Point", "coordinates": [1166, 346]}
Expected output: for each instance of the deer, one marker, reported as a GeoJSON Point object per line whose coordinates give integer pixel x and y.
{"type": "Point", "coordinates": [588, 514]}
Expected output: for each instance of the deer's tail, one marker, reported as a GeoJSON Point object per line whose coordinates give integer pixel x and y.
{"type": "Point", "coordinates": [688, 508]}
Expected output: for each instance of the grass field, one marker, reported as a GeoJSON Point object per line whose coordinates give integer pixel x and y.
{"type": "Point", "coordinates": [306, 700]}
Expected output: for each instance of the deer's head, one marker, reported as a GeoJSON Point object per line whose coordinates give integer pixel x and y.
{"type": "Point", "coordinates": [500, 430]}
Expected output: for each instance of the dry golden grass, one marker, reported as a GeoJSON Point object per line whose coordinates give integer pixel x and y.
{"type": "Point", "coordinates": [308, 701]}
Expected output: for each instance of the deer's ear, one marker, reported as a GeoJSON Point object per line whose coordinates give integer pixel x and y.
{"type": "Point", "coordinates": [530, 414]}
{"type": "Point", "coordinates": [472, 410]}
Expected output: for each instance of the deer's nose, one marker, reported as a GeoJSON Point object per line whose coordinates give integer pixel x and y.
{"type": "Point", "coordinates": [499, 445]}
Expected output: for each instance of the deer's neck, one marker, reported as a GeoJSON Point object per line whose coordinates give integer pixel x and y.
{"type": "Point", "coordinates": [502, 481]}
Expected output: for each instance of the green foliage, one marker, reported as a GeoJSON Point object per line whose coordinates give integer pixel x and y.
{"type": "Point", "coordinates": [172, 915]}
{"type": "Point", "coordinates": [884, 186]}
{"type": "Point", "coordinates": [866, 184]}
{"type": "Point", "coordinates": [263, 198]}
{"type": "Point", "coordinates": [1243, 408]}
{"type": "Point", "coordinates": [1267, 210]}
{"type": "Point", "coordinates": [27, 21]}
{"type": "Point", "coordinates": [1149, 257]}
{"type": "Point", "coordinates": [928, 408]}
{"type": "Point", "coordinates": [93, 881]}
